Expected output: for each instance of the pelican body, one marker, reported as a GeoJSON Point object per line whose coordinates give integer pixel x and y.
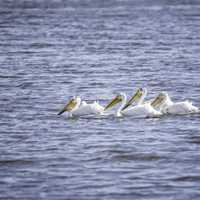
{"type": "Point", "coordinates": [177, 108]}
{"type": "Point", "coordinates": [142, 111]}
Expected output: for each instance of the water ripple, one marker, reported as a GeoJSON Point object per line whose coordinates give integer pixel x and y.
{"type": "Point", "coordinates": [52, 50]}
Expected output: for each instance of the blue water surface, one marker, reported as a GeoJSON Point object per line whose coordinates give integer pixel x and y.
{"type": "Point", "coordinates": [52, 50]}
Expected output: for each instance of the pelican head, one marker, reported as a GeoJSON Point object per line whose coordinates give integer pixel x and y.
{"type": "Point", "coordinates": [136, 97]}
{"type": "Point", "coordinates": [117, 99]}
{"type": "Point", "coordinates": [71, 104]}
{"type": "Point", "coordinates": [159, 100]}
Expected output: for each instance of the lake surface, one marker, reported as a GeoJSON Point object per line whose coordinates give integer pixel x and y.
{"type": "Point", "coordinates": [52, 50]}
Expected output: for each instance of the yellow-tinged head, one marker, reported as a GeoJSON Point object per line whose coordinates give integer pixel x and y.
{"type": "Point", "coordinates": [159, 100]}
{"type": "Point", "coordinates": [114, 101]}
{"type": "Point", "coordinates": [70, 105]}
{"type": "Point", "coordinates": [135, 98]}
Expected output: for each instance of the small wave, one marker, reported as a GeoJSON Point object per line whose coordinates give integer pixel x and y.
{"type": "Point", "coordinates": [139, 157]}
{"type": "Point", "coordinates": [15, 162]}
{"type": "Point", "coordinates": [41, 45]}
{"type": "Point", "coordinates": [187, 178]}
{"type": "Point", "coordinates": [9, 76]}
{"type": "Point", "coordinates": [194, 140]}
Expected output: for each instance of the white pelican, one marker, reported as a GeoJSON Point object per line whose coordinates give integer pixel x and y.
{"type": "Point", "coordinates": [140, 110]}
{"type": "Point", "coordinates": [76, 107]}
{"type": "Point", "coordinates": [177, 108]}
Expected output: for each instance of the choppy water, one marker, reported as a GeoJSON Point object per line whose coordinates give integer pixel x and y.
{"type": "Point", "coordinates": [51, 50]}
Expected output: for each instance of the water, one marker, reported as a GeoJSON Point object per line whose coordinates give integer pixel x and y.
{"type": "Point", "coordinates": [51, 50]}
